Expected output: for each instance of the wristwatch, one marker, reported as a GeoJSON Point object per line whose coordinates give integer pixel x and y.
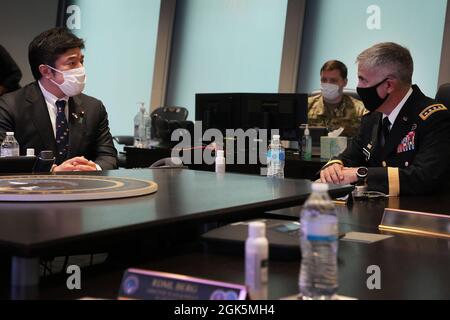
{"type": "Point", "coordinates": [361, 173]}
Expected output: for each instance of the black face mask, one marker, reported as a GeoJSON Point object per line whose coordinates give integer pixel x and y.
{"type": "Point", "coordinates": [370, 97]}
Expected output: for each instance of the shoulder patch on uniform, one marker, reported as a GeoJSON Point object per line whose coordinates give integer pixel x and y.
{"type": "Point", "coordinates": [428, 111]}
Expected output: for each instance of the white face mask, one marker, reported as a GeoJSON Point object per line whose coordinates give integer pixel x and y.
{"type": "Point", "coordinates": [74, 81]}
{"type": "Point", "coordinates": [330, 92]}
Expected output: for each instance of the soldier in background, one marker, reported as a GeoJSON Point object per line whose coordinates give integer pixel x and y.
{"type": "Point", "coordinates": [333, 109]}
{"type": "Point", "coordinates": [402, 147]}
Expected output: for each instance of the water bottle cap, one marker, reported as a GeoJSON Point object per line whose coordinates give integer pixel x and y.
{"type": "Point", "coordinates": [10, 133]}
{"type": "Point", "coordinates": [220, 153]}
{"type": "Point", "coordinates": [319, 187]}
{"type": "Point", "coordinates": [256, 229]}
{"type": "Point", "coordinates": [30, 152]}
{"type": "Point", "coordinates": [141, 105]}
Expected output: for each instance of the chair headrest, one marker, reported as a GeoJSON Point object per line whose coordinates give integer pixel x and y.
{"type": "Point", "coordinates": [443, 95]}
{"type": "Point", "coordinates": [170, 113]}
{"type": "Point", "coordinates": [171, 162]}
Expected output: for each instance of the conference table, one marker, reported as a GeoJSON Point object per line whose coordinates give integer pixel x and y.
{"type": "Point", "coordinates": [411, 266]}
{"type": "Point", "coordinates": [161, 232]}
{"type": "Point", "coordinates": [186, 199]}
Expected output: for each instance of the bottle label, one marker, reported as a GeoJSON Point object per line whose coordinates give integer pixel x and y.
{"type": "Point", "coordinates": [322, 229]}
{"type": "Point", "coordinates": [306, 155]}
{"type": "Point", "coordinates": [256, 271]}
{"type": "Point", "coordinates": [322, 238]}
{"type": "Point", "coordinates": [282, 156]}
{"type": "Point", "coordinates": [276, 155]}
{"type": "Point", "coordinates": [264, 270]}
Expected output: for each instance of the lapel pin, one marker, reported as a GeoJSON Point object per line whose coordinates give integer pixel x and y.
{"type": "Point", "coordinates": [79, 116]}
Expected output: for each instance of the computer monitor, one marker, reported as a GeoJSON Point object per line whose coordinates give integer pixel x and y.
{"type": "Point", "coordinates": [283, 111]}
{"type": "Point", "coordinates": [218, 111]}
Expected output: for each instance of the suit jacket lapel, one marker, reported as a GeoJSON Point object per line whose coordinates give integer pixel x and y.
{"type": "Point", "coordinates": [41, 119]}
{"type": "Point", "coordinates": [76, 126]}
{"type": "Point", "coordinates": [374, 140]}
{"type": "Point", "coordinates": [399, 130]}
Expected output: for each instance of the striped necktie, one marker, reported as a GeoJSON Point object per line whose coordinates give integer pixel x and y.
{"type": "Point", "coordinates": [62, 133]}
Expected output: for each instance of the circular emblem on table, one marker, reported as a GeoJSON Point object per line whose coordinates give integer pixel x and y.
{"type": "Point", "coordinates": [130, 285]}
{"type": "Point", "coordinates": [231, 295]}
{"type": "Point", "coordinates": [218, 295]}
{"type": "Point", "coordinates": [72, 187]}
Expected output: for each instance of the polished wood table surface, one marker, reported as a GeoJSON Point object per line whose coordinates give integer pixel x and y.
{"type": "Point", "coordinates": [412, 267]}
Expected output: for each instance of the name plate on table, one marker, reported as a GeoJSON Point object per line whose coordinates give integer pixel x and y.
{"type": "Point", "coordinates": [413, 222]}
{"type": "Point", "coordinates": [150, 285]}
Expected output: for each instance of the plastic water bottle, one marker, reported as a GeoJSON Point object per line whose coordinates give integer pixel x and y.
{"type": "Point", "coordinates": [306, 145]}
{"type": "Point", "coordinates": [142, 127]}
{"type": "Point", "coordinates": [319, 245]}
{"type": "Point", "coordinates": [220, 161]}
{"type": "Point", "coordinates": [147, 129]}
{"type": "Point", "coordinates": [139, 126]}
{"type": "Point", "coordinates": [275, 159]}
{"type": "Point", "coordinates": [256, 260]}
{"type": "Point", "coordinates": [9, 146]}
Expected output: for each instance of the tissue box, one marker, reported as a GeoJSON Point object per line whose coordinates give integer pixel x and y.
{"type": "Point", "coordinates": [332, 146]}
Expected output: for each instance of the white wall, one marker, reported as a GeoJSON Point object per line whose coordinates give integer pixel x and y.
{"type": "Point", "coordinates": [225, 46]}
{"type": "Point", "coordinates": [337, 29]}
{"type": "Point", "coordinates": [120, 40]}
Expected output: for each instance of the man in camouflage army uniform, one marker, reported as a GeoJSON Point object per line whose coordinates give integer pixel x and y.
{"type": "Point", "coordinates": [331, 108]}
{"type": "Point", "coordinates": [403, 145]}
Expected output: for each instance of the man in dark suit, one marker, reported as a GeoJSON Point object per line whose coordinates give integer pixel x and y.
{"type": "Point", "coordinates": [10, 73]}
{"type": "Point", "coordinates": [403, 145]}
{"type": "Point", "coordinates": [53, 114]}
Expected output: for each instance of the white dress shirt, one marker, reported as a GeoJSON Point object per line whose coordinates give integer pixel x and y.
{"type": "Point", "coordinates": [393, 115]}
{"type": "Point", "coordinates": [50, 100]}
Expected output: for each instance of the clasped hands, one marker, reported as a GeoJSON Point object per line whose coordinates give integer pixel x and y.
{"type": "Point", "coordinates": [338, 174]}
{"type": "Point", "coordinates": [75, 164]}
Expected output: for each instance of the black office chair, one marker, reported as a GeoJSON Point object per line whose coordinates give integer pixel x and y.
{"type": "Point", "coordinates": [27, 164]}
{"type": "Point", "coordinates": [165, 120]}
{"type": "Point", "coordinates": [349, 92]}
{"type": "Point", "coordinates": [443, 95]}
{"type": "Point", "coordinates": [171, 113]}
{"type": "Point", "coordinates": [170, 162]}
{"type": "Point", "coordinates": [125, 141]}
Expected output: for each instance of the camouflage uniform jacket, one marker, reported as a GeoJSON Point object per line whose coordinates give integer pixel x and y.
{"type": "Point", "coordinates": [347, 115]}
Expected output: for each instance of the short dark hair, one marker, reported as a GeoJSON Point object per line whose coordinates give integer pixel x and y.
{"type": "Point", "coordinates": [49, 45]}
{"type": "Point", "coordinates": [335, 65]}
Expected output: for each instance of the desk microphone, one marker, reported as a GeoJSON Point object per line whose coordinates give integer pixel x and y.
{"type": "Point", "coordinates": [44, 162]}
